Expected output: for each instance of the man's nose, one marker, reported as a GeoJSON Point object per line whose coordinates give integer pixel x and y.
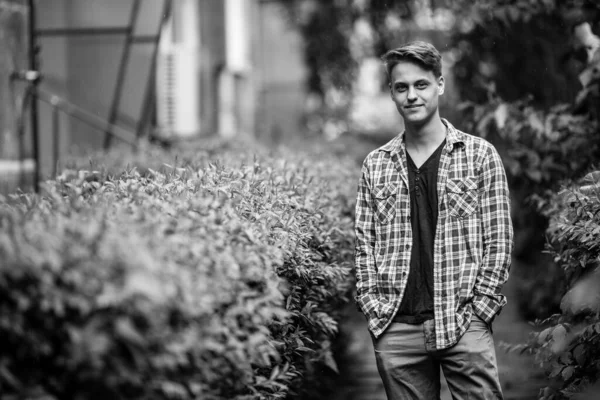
{"type": "Point", "coordinates": [412, 94]}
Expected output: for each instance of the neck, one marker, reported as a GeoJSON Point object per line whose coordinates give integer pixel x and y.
{"type": "Point", "coordinates": [430, 133]}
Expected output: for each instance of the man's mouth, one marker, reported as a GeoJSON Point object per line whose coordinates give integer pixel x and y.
{"type": "Point", "coordinates": [413, 106]}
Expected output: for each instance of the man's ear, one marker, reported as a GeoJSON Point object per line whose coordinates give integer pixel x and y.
{"type": "Point", "coordinates": [441, 85]}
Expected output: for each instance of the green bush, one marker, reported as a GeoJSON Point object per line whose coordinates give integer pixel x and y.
{"type": "Point", "coordinates": [569, 345]}
{"type": "Point", "coordinates": [541, 150]}
{"type": "Point", "coordinates": [544, 150]}
{"type": "Point", "coordinates": [214, 278]}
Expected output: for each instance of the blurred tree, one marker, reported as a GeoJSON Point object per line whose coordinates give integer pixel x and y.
{"type": "Point", "coordinates": [340, 35]}
{"type": "Point", "coordinates": [522, 69]}
{"type": "Point", "coordinates": [521, 48]}
{"type": "Point", "coordinates": [325, 26]}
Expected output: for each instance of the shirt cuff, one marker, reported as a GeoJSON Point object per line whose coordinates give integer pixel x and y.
{"type": "Point", "coordinates": [366, 304]}
{"type": "Point", "coordinates": [487, 307]}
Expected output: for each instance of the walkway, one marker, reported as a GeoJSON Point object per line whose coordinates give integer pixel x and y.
{"type": "Point", "coordinates": [360, 379]}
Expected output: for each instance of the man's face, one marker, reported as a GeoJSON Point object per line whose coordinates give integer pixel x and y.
{"type": "Point", "coordinates": [415, 91]}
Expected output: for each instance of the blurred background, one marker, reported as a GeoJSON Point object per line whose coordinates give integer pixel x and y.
{"type": "Point", "coordinates": [81, 75]}
{"type": "Point", "coordinates": [273, 70]}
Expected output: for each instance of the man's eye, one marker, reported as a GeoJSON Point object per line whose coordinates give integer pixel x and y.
{"type": "Point", "coordinates": [421, 85]}
{"type": "Point", "coordinates": [400, 89]}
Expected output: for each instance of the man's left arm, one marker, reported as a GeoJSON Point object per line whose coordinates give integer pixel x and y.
{"type": "Point", "coordinates": [497, 238]}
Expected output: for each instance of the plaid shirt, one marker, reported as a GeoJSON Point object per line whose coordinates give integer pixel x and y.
{"type": "Point", "coordinates": [473, 237]}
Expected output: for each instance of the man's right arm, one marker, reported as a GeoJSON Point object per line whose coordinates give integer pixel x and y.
{"type": "Point", "coordinates": [366, 272]}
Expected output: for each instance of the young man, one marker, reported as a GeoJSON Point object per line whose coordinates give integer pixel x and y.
{"type": "Point", "coordinates": [433, 243]}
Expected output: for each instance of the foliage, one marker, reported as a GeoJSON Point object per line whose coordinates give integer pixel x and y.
{"type": "Point", "coordinates": [215, 278]}
{"type": "Point", "coordinates": [544, 150]}
{"type": "Point", "coordinates": [521, 47]}
{"type": "Point", "coordinates": [568, 346]}
{"type": "Point", "coordinates": [548, 137]}
{"type": "Point", "coordinates": [338, 34]}
{"type": "Point", "coordinates": [324, 26]}
{"type": "Point", "coordinates": [540, 150]}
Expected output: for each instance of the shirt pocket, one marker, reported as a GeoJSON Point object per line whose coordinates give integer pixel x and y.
{"type": "Point", "coordinates": [385, 202]}
{"type": "Point", "coordinates": [462, 197]}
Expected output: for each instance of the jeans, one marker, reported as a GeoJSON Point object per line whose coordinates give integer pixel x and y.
{"type": "Point", "coordinates": [409, 363]}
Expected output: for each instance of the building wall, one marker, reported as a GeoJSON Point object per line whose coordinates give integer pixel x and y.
{"type": "Point", "coordinates": [280, 73]}
{"type": "Point", "coordinates": [83, 69]}
{"type": "Point", "coordinates": [93, 62]}
{"type": "Point", "coordinates": [13, 57]}
{"type": "Point", "coordinates": [53, 64]}
{"type": "Point", "coordinates": [212, 61]}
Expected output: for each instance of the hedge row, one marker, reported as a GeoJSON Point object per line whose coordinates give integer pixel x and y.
{"type": "Point", "coordinates": [189, 274]}
{"type": "Point", "coordinates": [568, 347]}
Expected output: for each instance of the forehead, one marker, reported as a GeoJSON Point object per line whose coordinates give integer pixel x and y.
{"type": "Point", "coordinates": [408, 71]}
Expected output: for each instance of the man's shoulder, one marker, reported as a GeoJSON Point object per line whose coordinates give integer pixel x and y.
{"type": "Point", "coordinates": [475, 143]}
{"type": "Point", "coordinates": [480, 150]}
{"type": "Point", "coordinates": [381, 152]}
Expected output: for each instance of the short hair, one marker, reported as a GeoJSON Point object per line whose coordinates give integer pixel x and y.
{"type": "Point", "coordinates": [422, 53]}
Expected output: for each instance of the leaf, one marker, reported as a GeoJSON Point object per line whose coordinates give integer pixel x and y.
{"type": "Point", "coordinates": [127, 331]}
{"type": "Point", "coordinates": [580, 354]}
{"type": "Point", "coordinates": [567, 372]}
{"type": "Point", "coordinates": [544, 336]}
{"type": "Point", "coordinates": [330, 362]}
{"type": "Point", "coordinates": [274, 373]}
{"type": "Point", "coordinates": [534, 174]}
{"type": "Point", "coordinates": [559, 339]}
{"type": "Point", "coordinates": [8, 378]}
{"type": "Point", "coordinates": [501, 115]}
{"type": "Point", "coordinates": [483, 123]}
{"type": "Point", "coordinates": [555, 370]}
{"type": "Point", "coordinates": [514, 14]}
{"type": "Point", "coordinates": [173, 390]}
{"type": "Point", "coordinates": [536, 123]}
{"type": "Point", "coordinates": [592, 177]}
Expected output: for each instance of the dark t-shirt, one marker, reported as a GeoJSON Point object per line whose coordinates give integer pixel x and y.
{"type": "Point", "coordinates": [417, 303]}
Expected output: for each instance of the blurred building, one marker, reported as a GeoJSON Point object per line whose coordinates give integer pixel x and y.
{"type": "Point", "coordinates": [168, 68]}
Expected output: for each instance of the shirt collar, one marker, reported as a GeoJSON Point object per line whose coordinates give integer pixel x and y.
{"type": "Point", "coordinates": [453, 137]}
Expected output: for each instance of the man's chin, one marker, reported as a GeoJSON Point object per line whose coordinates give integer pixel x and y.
{"type": "Point", "coordinates": [414, 119]}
